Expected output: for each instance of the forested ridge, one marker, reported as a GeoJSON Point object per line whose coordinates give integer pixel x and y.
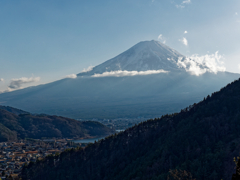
{"type": "Point", "coordinates": [13, 110]}
{"type": "Point", "coordinates": [201, 139]}
{"type": "Point", "coordinates": [15, 126]}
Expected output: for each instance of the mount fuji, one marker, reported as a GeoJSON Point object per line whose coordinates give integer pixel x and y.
{"type": "Point", "coordinates": [148, 80]}
{"type": "Point", "coordinates": [144, 56]}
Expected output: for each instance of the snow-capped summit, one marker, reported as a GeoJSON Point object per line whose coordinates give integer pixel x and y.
{"type": "Point", "coordinates": [144, 56]}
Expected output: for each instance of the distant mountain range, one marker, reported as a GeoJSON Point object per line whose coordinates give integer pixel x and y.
{"type": "Point", "coordinates": [16, 124]}
{"type": "Point", "coordinates": [148, 80]}
{"type": "Point", "coordinates": [202, 139]}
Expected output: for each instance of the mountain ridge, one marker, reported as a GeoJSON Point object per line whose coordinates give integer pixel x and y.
{"type": "Point", "coordinates": [13, 110]}
{"type": "Point", "coordinates": [15, 126]}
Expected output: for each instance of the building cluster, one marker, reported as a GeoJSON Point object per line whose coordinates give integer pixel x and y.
{"type": "Point", "coordinates": [121, 123]}
{"type": "Point", "coordinates": [13, 155]}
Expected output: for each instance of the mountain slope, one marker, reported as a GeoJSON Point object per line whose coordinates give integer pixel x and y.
{"type": "Point", "coordinates": [22, 126]}
{"type": "Point", "coordinates": [87, 97]}
{"type": "Point", "coordinates": [112, 97]}
{"type": "Point", "coordinates": [202, 139]}
{"type": "Point", "coordinates": [146, 55]}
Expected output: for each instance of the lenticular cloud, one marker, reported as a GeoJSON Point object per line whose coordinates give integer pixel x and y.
{"type": "Point", "coordinates": [198, 65]}
{"type": "Point", "coordinates": [121, 73]}
{"type": "Point", "coordinates": [72, 76]}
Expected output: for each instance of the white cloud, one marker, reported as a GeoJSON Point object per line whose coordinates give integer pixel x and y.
{"type": "Point", "coordinates": [185, 32]}
{"type": "Point", "coordinates": [1, 79]}
{"type": "Point", "coordinates": [161, 38]}
{"type": "Point", "coordinates": [121, 73]}
{"type": "Point", "coordinates": [236, 13]}
{"type": "Point", "coordinates": [180, 6]}
{"type": "Point", "coordinates": [198, 65]}
{"type": "Point", "coordinates": [8, 90]}
{"type": "Point", "coordinates": [17, 83]}
{"type": "Point", "coordinates": [88, 69]}
{"type": "Point", "coordinates": [73, 76]}
{"type": "Point", "coordinates": [186, 2]}
{"type": "Point", "coordinates": [184, 41]}
{"type": "Point", "coordinates": [239, 67]}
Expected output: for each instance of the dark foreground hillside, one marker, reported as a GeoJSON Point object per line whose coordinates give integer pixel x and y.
{"type": "Point", "coordinates": [236, 176]}
{"type": "Point", "coordinates": [13, 110]}
{"type": "Point", "coordinates": [201, 139]}
{"type": "Point", "coordinates": [13, 126]}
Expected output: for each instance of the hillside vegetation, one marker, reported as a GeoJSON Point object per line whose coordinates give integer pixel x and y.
{"type": "Point", "coordinates": [13, 110]}
{"type": "Point", "coordinates": [236, 176]}
{"type": "Point", "coordinates": [201, 139]}
{"type": "Point", "coordinates": [13, 127]}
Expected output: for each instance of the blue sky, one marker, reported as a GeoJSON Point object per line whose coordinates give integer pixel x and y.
{"type": "Point", "coordinates": [46, 40]}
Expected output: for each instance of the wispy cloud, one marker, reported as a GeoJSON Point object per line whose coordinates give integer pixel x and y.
{"type": "Point", "coordinates": [161, 38]}
{"type": "Point", "coordinates": [186, 2]}
{"type": "Point", "coordinates": [88, 69]}
{"type": "Point", "coordinates": [184, 41]}
{"type": "Point", "coordinates": [185, 32]}
{"type": "Point", "coordinates": [121, 73]}
{"type": "Point", "coordinates": [1, 79]}
{"type": "Point", "coordinates": [182, 5]}
{"type": "Point", "coordinates": [7, 90]}
{"type": "Point", "coordinates": [198, 65]}
{"type": "Point", "coordinates": [73, 76]}
{"type": "Point", "coordinates": [17, 83]}
{"type": "Point", "coordinates": [237, 17]}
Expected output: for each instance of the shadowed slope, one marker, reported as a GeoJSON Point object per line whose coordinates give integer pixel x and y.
{"type": "Point", "coordinates": [202, 139]}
